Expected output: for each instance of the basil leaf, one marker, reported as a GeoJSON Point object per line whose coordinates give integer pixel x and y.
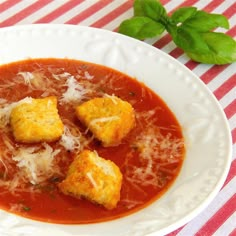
{"type": "Point", "coordinates": [222, 49]}
{"type": "Point", "coordinates": [141, 28]}
{"type": "Point", "coordinates": [182, 14]}
{"type": "Point", "coordinates": [138, 8]}
{"type": "Point", "coordinates": [210, 58]}
{"type": "Point", "coordinates": [189, 28]}
{"type": "Point", "coordinates": [150, 8]}
{"type": "Point", "coordinates": [190, 40]}
{"type": "Point", "coordinates": [202, 21]}
{"type": "Point", "coordinates": [153, 9]}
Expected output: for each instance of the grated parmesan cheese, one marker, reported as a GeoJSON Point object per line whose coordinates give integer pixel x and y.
{"type": "Point", "coordinates": [99, 162]}
{"type": "Point", "coordinates": [69, 141]}
{"type": "Point", "coordinates": [155, 152]}
{"type": "Point", "coordinates": [74, 92]}
{"type": "Point", "coordinates": [88, 76]}
{"type": "Point", "coordinates": [91, 179]}
{"type": "Point", "coordinates": [103, 119]}
{"type": "Point", "coordinates": [62, 75]}
{"type": "Point", "coordinates": [36, 163]}
{"type": "Point", "coordinates": [112, 97]}
{"type": "Point", "coordinates": [27, 76]}
{"type": "Point", "coordinates": [2, 101]}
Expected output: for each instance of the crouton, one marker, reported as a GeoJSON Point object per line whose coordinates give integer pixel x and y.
{"type": "Point", "coordinates": [93, 178]}
{"type": "Point", "coordinates": [109, 118]}
{"type": "Point", "coordinates": [36, 121]}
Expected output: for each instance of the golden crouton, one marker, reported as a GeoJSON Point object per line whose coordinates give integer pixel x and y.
{"type": "Point", "coordinates": [109, 118]}
{"type": "Point", "coordinates": [93, 178]}
{"type": "Point", "coordinates": [36, 121]}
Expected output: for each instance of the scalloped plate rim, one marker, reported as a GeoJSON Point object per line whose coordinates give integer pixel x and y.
{"type": "Point", "coordinates": [174, 66]}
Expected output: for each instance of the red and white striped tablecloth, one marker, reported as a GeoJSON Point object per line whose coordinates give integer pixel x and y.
{"type": "Point", "coordinates": [219, 218]}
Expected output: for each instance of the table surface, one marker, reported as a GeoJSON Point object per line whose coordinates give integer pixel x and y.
{"type": "Point", "coordinates": [219, 218]}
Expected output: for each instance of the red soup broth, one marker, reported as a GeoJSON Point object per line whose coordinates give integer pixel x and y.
{"type": "Point", "coordinates": [150, 156]}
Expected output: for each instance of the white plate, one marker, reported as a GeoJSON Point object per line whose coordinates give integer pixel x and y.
{"type": "Point", "coordinates": [204, 124]}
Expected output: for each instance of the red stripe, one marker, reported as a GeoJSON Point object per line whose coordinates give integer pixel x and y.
{"type": "Point", "coordinates": [164, 2]}
{"type": "Point", "coordinates": [218, 218]}
{"type": "Point", "coordinates": [212, 72]}
{"type": "Point", "coordinates": [212, 5]}
{"type": "Point", "coordinates": [167, 38]}
{"type": "Point", "coordinates": [163, 41]}
{"type": "Point", "coordinates": [88, 12]}
{"type": "Point", "coordinates": [230, 109]}
{"type": "Point", "coordinates": [174, 233]}
{"type": "Point", "coordinates": [234, 135]}
{"type": "Point", "coordinates": [177, 52]}
{"type": "Point", "coordinates": [230, 11]}
{"type": "Point", "coordinates": [232, 31]}
{"type": "Point", "coordinates": [59, 11]}
{"type": "Point", "coordinates": [233, 233]}
{"type": "Point", "coordinates": [24, 13]}
{"type": "Point", "coordinates": [231, 174]}
{"type": "Point", "coordinates": [191, 64]}
{"type": "Point", "coordinates": [225, 87]}
{"type": "Point", "coordinates": [7, 4]}
{"type": "Point", "coordinates": [113, 14]}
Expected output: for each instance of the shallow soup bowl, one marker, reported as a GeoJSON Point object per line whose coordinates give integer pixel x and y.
{"type": "Point", "coordinates": [204, 125]}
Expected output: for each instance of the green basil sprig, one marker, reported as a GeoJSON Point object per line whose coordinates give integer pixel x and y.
{"type": "Point", "coordinates": [191, 30]}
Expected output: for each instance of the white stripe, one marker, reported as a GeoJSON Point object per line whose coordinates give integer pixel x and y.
{"type": "Point", "coordinates": [117, 21]}
{"type": "Point", "coordinates": [171, 5]}
{"type": "Point", "coordinates": [73, 12]}
{"type": "Point", "coordinates": [223, 196]}
{"type": "Point", "coordinates": [234, 152]}
{"type": "Point", "coordinates": [85, 5]}
{"type": "Point", "coordinates": [169, 47]}
{"type": "Point", "coordinates": [103, 12]}
{"type": "Point", "coordinates": [223, 6]}
{"type": "Point", "coordinates": [228, 98]}
{"type": "Point", "coordinates": [42, 12]}
{"type": "Point", "coordinates": [202, 4]}
{"type": "Point", "coordinates": [15, 9]}
{"type": "Point", "coordinates": [175, 3]}
{"type": "Point", "coordinates": [232, 122]}
{"type": "Point", "coordinates": [155, 39]}
{"type": "Point", "coordinates": [221, 78]}
{"type": "Point", "coordinates": [183, 58]}
{"type": "Point", "coordinates": [227, 227]}
{"type": "Point", "coordinates": [200, 69]}
{"type": "Point", "coordinates": [232, 21]}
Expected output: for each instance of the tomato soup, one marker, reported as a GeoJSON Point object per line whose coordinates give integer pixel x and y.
{"type": "Point", "coordinates": [149, 157]}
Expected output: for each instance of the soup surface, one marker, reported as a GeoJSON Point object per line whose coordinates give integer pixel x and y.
{"type": "Point", "coordinates": [149, 157]}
